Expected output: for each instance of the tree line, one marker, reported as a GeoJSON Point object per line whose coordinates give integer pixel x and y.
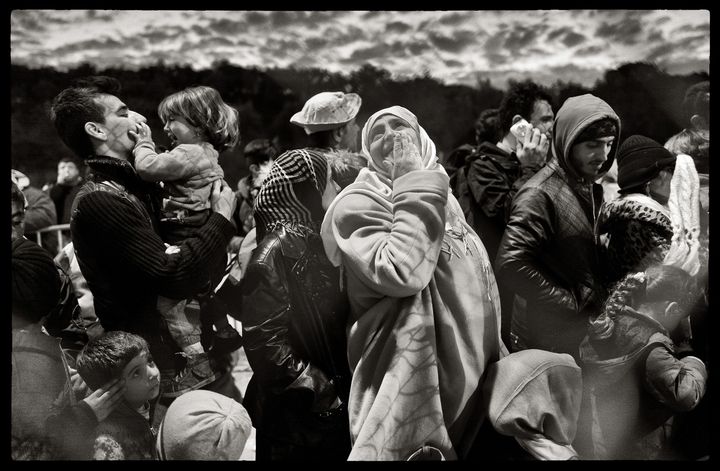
{"type": "Point", "coordinates": [647, 99]}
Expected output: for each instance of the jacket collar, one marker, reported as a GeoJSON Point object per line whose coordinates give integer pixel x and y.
{"type": "Point", "coordinates": [117, 170]}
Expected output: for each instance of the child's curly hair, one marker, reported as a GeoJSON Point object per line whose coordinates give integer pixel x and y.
{"type": "Point", "coordinates": [657, 283]}
{"type": "Point", "coordinates": [204, 108]}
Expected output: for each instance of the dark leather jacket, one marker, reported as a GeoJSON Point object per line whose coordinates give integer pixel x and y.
{"type": "Point", "coordinates": [294, 316]}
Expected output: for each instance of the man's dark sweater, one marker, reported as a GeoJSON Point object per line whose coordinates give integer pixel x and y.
{"type": "Point", "coordinates": [121, 255]}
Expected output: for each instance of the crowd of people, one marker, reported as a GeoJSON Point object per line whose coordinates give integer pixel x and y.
{"type": "Point", "coordinates": [541, 294]}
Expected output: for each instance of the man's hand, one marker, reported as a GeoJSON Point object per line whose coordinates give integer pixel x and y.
{"type": "Point", "coordinates": [223, 199]}
{"type": "Point", "coordinates": [532, 151]}
{"type": "Point", "coordinates": [405, 156]}
{"type": "Point", "coordinates": [103, 400]}
{"type": "Point", "coordinates": [80, 389]}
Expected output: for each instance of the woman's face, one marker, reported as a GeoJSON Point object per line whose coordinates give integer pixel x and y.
{"type": "Point", "coordinates": [659, 187]}
{"type": "Point", "coordinates": [380, 137]}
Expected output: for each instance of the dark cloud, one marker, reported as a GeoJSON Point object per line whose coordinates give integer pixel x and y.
{"type": "Point", "coordinates": [456, 42]}
{"type": "Point", "coordinates": [280, 19]}
{"type": "Point", "coordinates": [157, 35]}
{"type": "Point", "coordinates": [417, 46]}
{"type": "Point", "coordinates": [661, 20]}
{"type": "Point", "coordinates": [573, 39]}
{"type": "Point", "coordinates": [91, 44]}
{"type": "Point", "coordinates": [100, 15]}
{"type": "Point", "coordinates": [558, 32]}
{"type": "Point", "coordinates": [590, 50]}
{"type": "Point", "coordinates": [624, 32]}
{"type": "Point", "coordinates": [658, 52]}
{"type": "Point", "coordinates": [255, 18]}
{"type": "Point", "coordinates": [224, 26]}
{"type": "Point", "coordinates": [519, 37]}
{"type": "Point", "coordinates": [397, 27]}
{"type": "Point", "coordinates": [453, 63]}
{"type": "Point", "coordinates": [365, 53]}
{"type": "Point", "coordinates": [495, 58]}
{"type": "Point", "coordinates": [210, 43]}
{"type": "Point", "coordinates": [26, 20]}
{"type": "Point", "coordinates": [654, 36]}
{"type": "Point", "coordinates": [316, 42]}
{"type": "Point", "coordinates": [453, 19]}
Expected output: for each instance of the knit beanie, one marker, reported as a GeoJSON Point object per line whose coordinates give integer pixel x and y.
{"type": "Point", "coordinates": [640, 159]}
{"type": "Point", "coordinates": [203, 425]}
{"type": "Point", "coordinates": [35, 281]}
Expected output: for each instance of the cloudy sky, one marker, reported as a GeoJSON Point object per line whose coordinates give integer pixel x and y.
{"type": "Point", "coordinates": [453, 46]}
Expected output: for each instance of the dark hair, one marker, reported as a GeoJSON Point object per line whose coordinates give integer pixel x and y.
{"type": "Point", "coordinates": [322, 138]}
{"type": "Point", "coordinates": [259, 151]}
{"type": "Point", "coordinates": [656, 283]}
{"type": "Point", "coordinates": [520, 99]}
{"type": "Point", "coordinates": [605, 127]}
{"type": "Point", "coordinates": [102, 359]}
{"type": "Point", "coordinates": [487, 126]}
{"type": "Point", "coordinates": [77, 105]}
{"type": "Point", "coordinates": [697, 101]}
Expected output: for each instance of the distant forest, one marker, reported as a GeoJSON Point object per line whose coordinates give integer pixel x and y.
{"type": "Point", "coordinates": [646, 98]}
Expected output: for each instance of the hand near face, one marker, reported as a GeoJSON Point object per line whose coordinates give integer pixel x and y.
{"type": "Point", "coordinates": [142, 133]}
{"type": "Point", "coordinates": [405, 156]}
{"type": "Point", "coordinates": [103, 400]}
{"type": "Point", "coordinates": [532, 150]}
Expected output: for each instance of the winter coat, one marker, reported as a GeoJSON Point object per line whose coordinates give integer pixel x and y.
{"type": "Point", "coordinates": [638, 231]}
{"type": "Point", "coordinates": [548, 255]}
{"type": "Point", "coordinates": [633, 383]}
{"type": "Point", "coordinates": [293, 318]}
{"type": "Point", "coordinates": [124, 435]}
{"type": "Point", "coordinates": [486, 186]}
{"type": "Point", "coordinates": [188, 172]}
{"type": "Point", "coordinates": [424, 319]}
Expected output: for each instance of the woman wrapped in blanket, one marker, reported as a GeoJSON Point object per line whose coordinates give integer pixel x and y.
{"type": "Point", "coordinates": [424, 309]}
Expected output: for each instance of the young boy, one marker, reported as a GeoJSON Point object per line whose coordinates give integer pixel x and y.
{"type": "Point", "coordinates": [126, 433]}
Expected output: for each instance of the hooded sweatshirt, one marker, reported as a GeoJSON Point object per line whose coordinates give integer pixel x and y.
{"type": "Point", "coordinates": [548, 255]}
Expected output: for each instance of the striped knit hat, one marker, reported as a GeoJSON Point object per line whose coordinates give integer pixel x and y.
{"type": "Point", "coordinates": [293, 190]}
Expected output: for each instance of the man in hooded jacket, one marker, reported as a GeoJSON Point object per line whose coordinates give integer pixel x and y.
{"type": "Point", "coordinates": [548, 254]}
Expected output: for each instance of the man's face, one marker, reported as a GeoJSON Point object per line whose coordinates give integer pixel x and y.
{"type": "Point", "coordinates": [119, 120]}
{"type": "Point", "coordinates": [67, 172]}
{"type": "Point", "coordinates": [588, 157]}
{"type": "Point", "coordinates": [18, 220]}
{"type": "Point", "coordinates": [542, 117]}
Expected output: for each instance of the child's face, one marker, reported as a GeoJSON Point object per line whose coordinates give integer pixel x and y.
{"type": "Point", "coordinates": [180, 131]}
{"type": "Point", "coordinates": [142, 378]}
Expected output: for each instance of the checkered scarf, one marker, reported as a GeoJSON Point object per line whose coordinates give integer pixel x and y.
{"type": "Point", "coordinates": [293, 190]}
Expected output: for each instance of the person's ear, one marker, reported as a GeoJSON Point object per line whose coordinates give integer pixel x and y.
{"type": "Point", "coordinates": [95, 130]}
{"type": "Point", "coordinates": [672, 310]}
{"type": "Point", "coordinates": [253, 168]}
{"type": "Point", "coordinates": [698, 122]}
{"type": "Point", "coordinates": [338, 133]}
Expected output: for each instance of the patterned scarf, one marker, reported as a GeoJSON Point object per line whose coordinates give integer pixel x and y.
{"type": "Point", "coordinates": [292, 192]}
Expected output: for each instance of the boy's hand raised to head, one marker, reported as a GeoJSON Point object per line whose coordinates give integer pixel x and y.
{"type": "Point", "coordinates": [103, 400]}
{"type": "Point", "coordinates": [223, 199]}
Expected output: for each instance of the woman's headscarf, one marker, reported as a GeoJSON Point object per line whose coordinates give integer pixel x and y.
{"type": "Point", "coordinates": [427, 146]}
{"type": "Point", "coordinates": [293, 190]}
{"type": "Point", "coordinates": [684, 204]}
